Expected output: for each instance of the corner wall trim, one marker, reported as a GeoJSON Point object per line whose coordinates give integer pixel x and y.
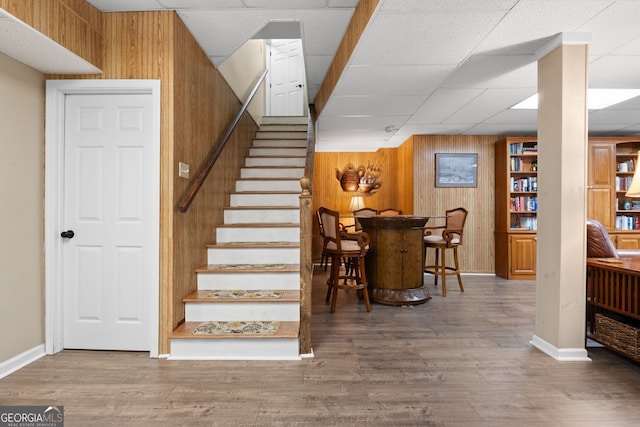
{"type": "Point", "coordinates": [21, 360]}
{"type": "Point", "coordinates": [560, 354]}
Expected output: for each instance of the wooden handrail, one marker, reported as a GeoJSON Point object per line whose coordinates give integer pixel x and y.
{"type": "Point", "coordinates": [306, 237]}
{"type": "Point", "coordinates": [216, 150]}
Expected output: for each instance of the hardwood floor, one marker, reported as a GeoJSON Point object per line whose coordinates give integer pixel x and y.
{"type": "Point", "coordinates": [464, 360]}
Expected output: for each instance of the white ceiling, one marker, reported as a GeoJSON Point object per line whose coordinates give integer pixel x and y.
{"type": "Point", "coordinates": [429, 66]}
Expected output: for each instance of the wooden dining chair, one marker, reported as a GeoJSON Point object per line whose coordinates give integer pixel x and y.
{"type": "Point", "coordinates": [449, 238]}
{"type": "Point", "coordinates": [325, 258]}
{"type": "Point", "coordinates": [390, 212]}
{"type": "Point", "coordinates": [364, 212]}
{"type": "Point", "coordinates": [348, 246]}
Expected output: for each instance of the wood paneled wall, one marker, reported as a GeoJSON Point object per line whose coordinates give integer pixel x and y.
{"type": "Point", "coordinates": [395, 192]}
{"type": "Point", "coordinates": [197, 105]}
{"type": "Point", "coordinates": [204, 105]}
{"type": "Point", "coordinates": [477, 254]}
{"type": "Point", "coordinates": [75, 24]}
{"type": "Point", "coordinates": [361, 16]}
{"type": "Point", "coordinates": [408, 179]}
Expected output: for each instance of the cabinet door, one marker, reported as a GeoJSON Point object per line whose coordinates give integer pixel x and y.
{"type": "Point", "coordinates": [389, 259]}
{"type": "Point", "coordinates": [522, 248]}
{"type": "Point", "coordinates": [626, 241]}
{"type": "Point", "coordinates": [412, 267]}
{"type": "Point", "coordinates": [601, 183]}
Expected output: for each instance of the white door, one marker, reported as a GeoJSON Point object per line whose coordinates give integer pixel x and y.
{"type": "Point", "coordinates": [107, 264]}
{"type": "Point", "coordinates": [286, 71]}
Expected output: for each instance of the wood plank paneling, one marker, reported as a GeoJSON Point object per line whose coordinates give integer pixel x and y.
{"type": "Point", "coordinates": [200, 119]}
{"type": "Point", "coordinates": [408, 178]}
{"type": "Point", "coordinates": [477, 253]}
{"type": "Point", "coordinates": [358, 23]}
{"type": "Point", "coordinates": [392, 194]}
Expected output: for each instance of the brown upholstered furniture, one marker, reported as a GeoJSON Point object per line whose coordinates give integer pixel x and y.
{"type": "Point", "coordinates": [599, 244]}
{"type": "Point", "coordinates": [450, 238]}
{"type": "Point", "coordinates": [341, 245]}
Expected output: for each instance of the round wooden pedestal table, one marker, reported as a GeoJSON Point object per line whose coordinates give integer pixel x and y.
{"type": "Point", "coordinates": [393, 264]}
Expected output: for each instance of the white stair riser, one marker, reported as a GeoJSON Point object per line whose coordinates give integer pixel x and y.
{"type": "Point", "coordinates": [288, 199]}
{"type": "Point", "coordinates": [280, 143]}
{"type": "Point", "coordinates": [258, 235]}
{"type": "Point", "coordinates": [235, 349]}
{"type": "Point", "coordinates": [261, 216]}
{"type": "Point", "coordinates": [274, 161]}
{"type": "Point", "coordinates": [231, 311]}
{"type": "Point", "coordinates": [280, 127]}
{"type": "Point", "coordinates": [287, 120]}
{"type": "Point", "coordinates": [292, 185]}
{"type": "Point", "coordinates": [285, 280]}
{"type": "Point", "coordinates": [272, 172]}
{"type": "Point", "coordinates": [277, 151]}
{"type": "Point", "coordinates": [253, 256]}
{"type": "Point", "coordinates": [281, 135]}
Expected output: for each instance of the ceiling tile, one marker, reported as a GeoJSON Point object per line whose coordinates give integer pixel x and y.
{"type": "Point", "coordinates": [372, 105]}
{"type": "Point", "coordinates": [391, 79]}
{"type": "Point", "coordinates": [538, 19]}
{"type": "Point", "coordinates": [611, 72]}
{"type": "Point", "coordinates": [615, 26]}
{"type": "Point", "coordinates": [125, 5]}
{"type": "Point", "coordinates": [436, 38]}
{"type": "Point", "coordinates": [442, 104]}
{"type": "Point", "coordinates": [488, 104]}
{"type": "Point", "coordinates": [445, 5]}
{"type": "Point", "coordinates": [487, 71]}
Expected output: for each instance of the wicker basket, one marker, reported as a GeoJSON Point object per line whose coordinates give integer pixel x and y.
{"type": "Point", "coordinates": [618, 336]}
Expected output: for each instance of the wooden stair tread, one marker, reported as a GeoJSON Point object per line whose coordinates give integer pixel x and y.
{"type": "Point", "coordinates": [286, 330]}
{"type": "Point", "coordinates": [201, 296]}
{"type": "Point", "coordinates": [260, 207]}
{"type": "Point", "coordinates": [255, 245]}
{"type": "Point", "coordinates": [215, 268]}
{"type": "Point", "coordinates": [276, 157]}
{"type": "Point", "coordinates": [284, 178]}
{"type": "Point", "coordinates": [259, 225]}
{"type": "Point", "coordinates": [267, 192]}
{"type": "Point", "coordinates": [271, 147]}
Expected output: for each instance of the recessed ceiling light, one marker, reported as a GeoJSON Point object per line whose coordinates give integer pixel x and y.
{"type": "Point", "coordinates": [597, 99]}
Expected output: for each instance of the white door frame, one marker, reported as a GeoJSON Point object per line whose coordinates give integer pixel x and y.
{"type": "Point", "coordinates": [56, 92]}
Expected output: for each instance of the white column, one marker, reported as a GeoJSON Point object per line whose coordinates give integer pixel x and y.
{"type": "Point", "coordinates": [562, 161]}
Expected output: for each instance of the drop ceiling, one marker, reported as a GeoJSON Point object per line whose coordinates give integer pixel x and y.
{"type": "Point", "coordinates": [429, 66]}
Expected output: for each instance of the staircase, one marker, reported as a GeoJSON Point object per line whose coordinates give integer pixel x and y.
{"type": "Point", "coordinates": [257, 250]}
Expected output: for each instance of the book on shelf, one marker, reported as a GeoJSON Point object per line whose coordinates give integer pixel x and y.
{"type": "Point", "coordinates": [627, 222]}
{"type": "Point", "coordinates": [523, 203]}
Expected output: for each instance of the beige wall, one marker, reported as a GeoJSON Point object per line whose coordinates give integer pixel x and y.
{"type": "Point", "coordinates": [21, 221]}
{"type": "Point", "coordinates": [242, 69]}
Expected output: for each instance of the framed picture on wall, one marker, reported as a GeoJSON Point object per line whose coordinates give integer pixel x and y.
{"type": "Point", "coordinates": [456, 170]}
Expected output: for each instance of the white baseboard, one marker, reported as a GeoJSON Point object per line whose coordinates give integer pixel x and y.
{"type": "Point", "coordinates": [21, 360]}
{"type": "Point", "coordinates": [560, 354]}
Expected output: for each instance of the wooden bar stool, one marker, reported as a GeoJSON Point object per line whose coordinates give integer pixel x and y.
{"type": "Point", "coordinates": [351, 247]}
{"type": "Point", "coordinates": [451, 238]}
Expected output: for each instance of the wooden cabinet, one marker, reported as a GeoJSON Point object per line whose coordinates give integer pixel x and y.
{"type": "Point", "coordinates": [522, 250]}
{"type": "Point", "coordinates": [610, 167]}
{"type": "Point", "coordinates": [612, 161]}
{"type": "Point", "coordinates": [395, 261]}
{"type": "Point", "coordinates": [601, 182]}
{"type": "Point", "coordinates": [516, 256]}
{"type": "Point", "coordinates": [516, 169]}
{"type": "Point", "coordinates": [625, 240]}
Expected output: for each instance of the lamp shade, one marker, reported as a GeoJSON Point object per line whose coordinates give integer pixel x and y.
{"type": "Point", "coordinates": [357, 203]}
{"type": "Point", "coordinates": [634, 188]}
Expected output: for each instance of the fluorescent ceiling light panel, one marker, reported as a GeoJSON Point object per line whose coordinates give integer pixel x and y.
{"type": "Point", "coordinates": [597, 99]}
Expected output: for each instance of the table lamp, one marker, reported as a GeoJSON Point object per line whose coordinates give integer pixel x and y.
{"type": "Point", "coordinates": [357, 203]}
{"type": "Point", "coordinates": [634, 188]}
